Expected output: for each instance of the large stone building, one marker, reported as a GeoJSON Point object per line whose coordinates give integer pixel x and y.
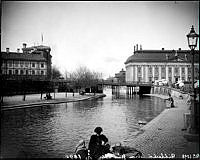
{"type": "Point", "coordinates": [32, 63]}
{"type": "Point", "coordinates": [151, 65]}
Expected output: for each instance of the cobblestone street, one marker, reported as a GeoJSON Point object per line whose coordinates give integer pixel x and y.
{"type": "Point", "coordinates": [164, 135]}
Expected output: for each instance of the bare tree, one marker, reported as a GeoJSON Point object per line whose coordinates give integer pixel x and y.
{"type": "Point", "coordinates": [83, 77]}
{"type": "Point", "coordinates": [56, 74]}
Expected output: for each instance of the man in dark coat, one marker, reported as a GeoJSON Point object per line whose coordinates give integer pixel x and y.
{"type": "Point", "coordinates": [171, 100]}
{"type": "Point", "coordinates": [98, 144]}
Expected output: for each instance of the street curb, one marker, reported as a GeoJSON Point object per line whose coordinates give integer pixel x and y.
{"type": "Point", "coordinates": [30, 105]}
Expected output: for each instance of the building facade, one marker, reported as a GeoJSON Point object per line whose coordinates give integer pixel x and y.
{"type": "Point", "coordinates": [32, 63]}
{"type": "Point", "coordinates": [120, 77]}
{"type": "Point", "coordinates": [151, 65]}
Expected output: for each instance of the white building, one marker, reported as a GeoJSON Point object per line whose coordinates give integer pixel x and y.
{"type": "Point", "coordinates": [151, 65]}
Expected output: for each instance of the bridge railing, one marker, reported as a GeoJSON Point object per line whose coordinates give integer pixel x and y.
{"type": "Point", "coordinates": [136, 83]}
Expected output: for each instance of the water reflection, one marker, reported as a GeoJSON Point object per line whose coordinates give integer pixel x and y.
{"type": "Point", "coordinates": [54, 130]}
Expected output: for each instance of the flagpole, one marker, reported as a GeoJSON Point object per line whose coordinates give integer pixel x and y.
{"type": "Point", "coordinates": [42, 39]}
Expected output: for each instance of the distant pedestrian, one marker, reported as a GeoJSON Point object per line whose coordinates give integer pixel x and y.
{"type": "Point", "coordinates": [189, 101]}
{"type": "Point", "coordinates": [171, 100]}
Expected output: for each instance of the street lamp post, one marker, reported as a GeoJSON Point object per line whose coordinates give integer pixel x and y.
{"type": "Point", "coordinates": [192, 43]}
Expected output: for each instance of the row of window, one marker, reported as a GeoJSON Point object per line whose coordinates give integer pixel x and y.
{"type": "Point", "coordinates": [24, 64]}
{"type": "Point", "coordinates": [150, 79]}
{"type": "Point", "coordinates": [26, 72]}
{"type": "Point", "coordinates": [163, 70]}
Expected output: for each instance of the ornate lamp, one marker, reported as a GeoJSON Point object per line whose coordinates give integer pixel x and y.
{"type": "Point", "coordinates": [192, 43]}
{"type": "Point", "coordinates": [192, 38]}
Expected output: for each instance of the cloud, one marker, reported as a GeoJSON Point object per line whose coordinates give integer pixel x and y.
{"type": "Point", "coordinates": [111, 60]}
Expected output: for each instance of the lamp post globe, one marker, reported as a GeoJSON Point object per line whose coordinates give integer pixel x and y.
{"type": "Point", "coordinates": [192, 38]}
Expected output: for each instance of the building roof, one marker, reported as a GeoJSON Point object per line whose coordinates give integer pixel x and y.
{"type": "Point", "coordinates": [22, 56]}
{"type": "Point", "coordinates": [33, 53]}
{"type": "Point", "coordinates": [40, 47]}
{"type": "Point", "coordinates": [162, 56]}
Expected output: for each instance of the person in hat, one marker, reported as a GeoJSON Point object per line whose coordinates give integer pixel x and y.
{"type": "Point", "coordinates": [98, 144]}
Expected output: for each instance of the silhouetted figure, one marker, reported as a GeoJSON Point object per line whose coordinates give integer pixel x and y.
{"type": "Point", "coordinates": [98, 144]}
{"type": "Point", "coordinates": [48, 96]}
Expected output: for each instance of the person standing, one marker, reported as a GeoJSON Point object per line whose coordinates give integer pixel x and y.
{"type": "Point", "coordinates": [171, 100]}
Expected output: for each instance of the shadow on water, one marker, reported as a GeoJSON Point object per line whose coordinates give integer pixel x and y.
{"type": "Point", "coordinates": [52, 131]}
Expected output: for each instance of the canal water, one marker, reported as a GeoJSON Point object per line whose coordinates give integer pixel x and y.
{"type": "Point", "coordinates": [51, 131]}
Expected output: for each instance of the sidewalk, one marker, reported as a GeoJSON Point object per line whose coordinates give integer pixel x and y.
{"type": "Point", "coordinates": [32, 100]}
{"type": "Point", "coordinates": [164, 136]}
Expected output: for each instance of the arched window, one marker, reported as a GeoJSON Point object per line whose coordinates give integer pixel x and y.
{"type": "Point", "coordinates": [170, 70]}
{"type": "Point", "coordinates": [183, 70]}
{"type": "Point", "coordinates": [150, 70]}
{"type": "Point", "coordinates": [163, 72]}
{"type": "Point", "coordinates": [139, 70]}
{"type": "Point", "coordinates": [156, 70]}
{"type": "Point", "coordinates": [176, 70]}
{"type": "Point", "coordinates": [189, 70]}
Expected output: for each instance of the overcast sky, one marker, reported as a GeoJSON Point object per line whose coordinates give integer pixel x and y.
{"type": "Point", "coordinates": [99, 35]}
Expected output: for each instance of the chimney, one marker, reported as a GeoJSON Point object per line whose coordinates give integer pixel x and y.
{"type": "Point", "coordinates": [140, 47]}
{"type": "Point", "coordinates": [167, 56]}
{"type": "Point", "coordinates": [7, 50]}
{"type": "Point", "coordinates": [163, 49]}
{"type": "Point", "coordinates": [176, 54]}
{"type": "Point", "coordinates": [136, 47]}
{"type": "Point", "coordinates": [24, 45]}
{"type": "Point", "coordinates": [179, 49]}
{"type": "Point", "coordinates": [186, 57]}
{"type": "Point", "coordinates": [17, 50]}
